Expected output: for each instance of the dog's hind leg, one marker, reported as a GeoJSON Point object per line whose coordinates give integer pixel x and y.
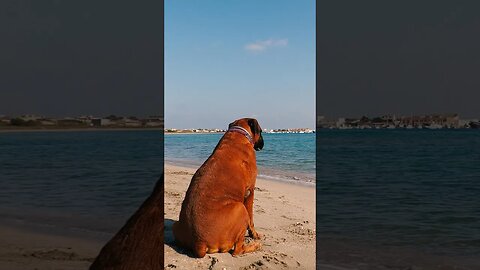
{"type": "Point", "coordinates": [248, 202]}
{"type": "Point", "coordinates": [240, 247]}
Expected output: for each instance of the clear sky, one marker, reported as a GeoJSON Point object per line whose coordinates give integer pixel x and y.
{"type": "Point", "coordinates": [230, 59]}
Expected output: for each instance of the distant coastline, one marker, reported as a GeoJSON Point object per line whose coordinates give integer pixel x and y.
{"type": "Point", "coordinates": [71, 129]}
{"type": "Point", "coordinates": [216, 131]}
{"type": "Point", "coordinates": [190, 133]}
{"type": "Point", "coordinates": [432, 121]}
{"type": "Point", "coordinates": [30, 122]}
{"type": "Point", "coordinates": [6, 129]}
{"type": "Point", "coordinates": [88, 122]}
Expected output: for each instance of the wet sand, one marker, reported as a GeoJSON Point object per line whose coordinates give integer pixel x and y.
{"type": "Point", "coordinates": [24, 248]}
{"type": "Point", "coordinates": [349, 255]}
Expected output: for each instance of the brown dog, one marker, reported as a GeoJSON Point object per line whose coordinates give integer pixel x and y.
{"type": "Point", "coordinates": [139, 243]}
{"type": "Point", "coordinates": [218, 206]}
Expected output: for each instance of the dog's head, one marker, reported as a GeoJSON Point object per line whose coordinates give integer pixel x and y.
{"type": "Point", "coordinates": [251, 124]}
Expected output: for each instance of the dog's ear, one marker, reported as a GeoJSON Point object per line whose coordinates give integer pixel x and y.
{"type": "Point", "coordinates": [257, 134]}
{"type": "Point", "coordinates": [230, 125]}
{"type": "Point", "coordinates": [254, 126]}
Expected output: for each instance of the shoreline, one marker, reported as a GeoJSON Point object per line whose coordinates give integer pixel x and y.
{"type": "Point", "coordinates": [190, 133]}
{"type": "Point", "coordinates": [75, 129]}
{"type": "Point", "coordinates": [284, 214]}
{"type": "Point", "coordinates": [24, 247]}
{"type": "Point", "coordinates": [195, 165]}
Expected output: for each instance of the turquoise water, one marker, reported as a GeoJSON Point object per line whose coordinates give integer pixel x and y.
{"type": "Point", "coordinates": [418, 189]}
{"type": "Point", "coordinates": [287, 157]}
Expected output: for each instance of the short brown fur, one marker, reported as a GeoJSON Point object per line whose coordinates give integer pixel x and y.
{"type": "Point", "coordinates": [139, 243]}
{"type": "Point", "coordinates": [218, 207]}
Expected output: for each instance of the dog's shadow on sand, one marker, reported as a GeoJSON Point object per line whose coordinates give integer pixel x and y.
{"type": "Point", "coordinates": [170, 240]}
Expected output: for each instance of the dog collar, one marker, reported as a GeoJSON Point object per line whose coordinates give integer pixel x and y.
{"type": "Point", "coordinates": [243, 131]}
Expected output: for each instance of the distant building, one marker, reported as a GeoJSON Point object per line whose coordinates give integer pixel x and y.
{"type": "Point", "coordinates": [128, 122]}
{"type": "Point", "coordinates": [48, 122]}
{"type": "Point", "coordinates": [340, 123]}
{"type": "Point", "coordinates": [153, 124]}
{"type": "Point", "coordinates": [323, 122]}
{"type": "Point", "coordinates": [30, 117]}
{"type": "Point", "coordinates": [154, 121]}
{"type": "Point", "coordinates": [101, 122]}
{"type": "Point", "coordinates": [87, 119]}
{"type": "Point", "coordinates": [69, 122]}
{"type": "Point", "coordinates": [4, 120]}
{"type": "Point", "coordinates": [453, 120]}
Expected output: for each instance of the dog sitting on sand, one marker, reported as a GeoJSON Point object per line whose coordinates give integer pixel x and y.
{"type": "Point", "coordinates": [218, 207]}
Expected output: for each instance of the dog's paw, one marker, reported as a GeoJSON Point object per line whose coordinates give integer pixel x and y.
{"type": "Point", "coordinates": [255, 235]}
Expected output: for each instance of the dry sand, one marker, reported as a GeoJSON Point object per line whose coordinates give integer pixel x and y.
{"type": "Point", "coordinates": [284, 214]}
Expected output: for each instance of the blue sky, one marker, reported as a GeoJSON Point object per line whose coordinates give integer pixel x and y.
{"type": "Point", "coordinates": [230, 59]}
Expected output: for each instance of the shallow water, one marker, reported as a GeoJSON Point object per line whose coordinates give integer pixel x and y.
{"type": "Point", "coordinates": [285, 157]}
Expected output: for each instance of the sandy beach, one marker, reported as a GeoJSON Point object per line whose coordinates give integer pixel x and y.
{"type": "Point", "coordinates": [283, 213]}
{"type": "Point", "coordinates": [73, 129]}
{"type": "Point", "coordinates": [26, 248]}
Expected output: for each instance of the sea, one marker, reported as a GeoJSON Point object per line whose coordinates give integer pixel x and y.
{"type": "Point", "coordinates": [288, 157]}
{"type": "Point", "coordinates": [92, 181]}
{"type": "Point", "coordinates": [77, 181]}
{"type": "Point", "coordinates": [411, 190]}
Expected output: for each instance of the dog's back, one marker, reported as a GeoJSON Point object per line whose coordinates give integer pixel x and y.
{"type": "Point", "coordinates": [213, 213]}
{"type": "Point", "coordinates": [206, 194]}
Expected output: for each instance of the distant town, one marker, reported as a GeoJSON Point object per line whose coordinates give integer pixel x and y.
{"type": "Point", "coordinates": [27, 122]}
{"type": "Point", "coordinates": [80, 122]}
{"type": "Point", "coordinates": [216, 130]}
{"type": "Point", "coordinates": [433, 121]}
